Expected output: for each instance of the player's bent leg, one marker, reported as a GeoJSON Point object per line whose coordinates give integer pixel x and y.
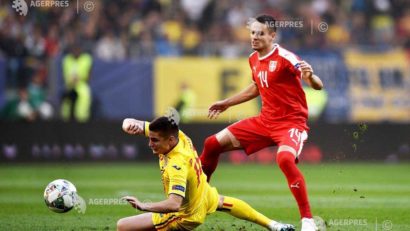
{"type": "Point", "coordinates": [142, 222]}
{"type": "Point", "coordinates": [296, 182]}
{"type": "Point", "coordinates": [242, 210]}
{"type": "Point", "coordinates": [215, 145]}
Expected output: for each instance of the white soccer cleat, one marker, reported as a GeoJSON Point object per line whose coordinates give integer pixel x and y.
{"type": "Point", "coordinates": [308, 224]}
{"type": "Point", "coordinates": [281, 227]}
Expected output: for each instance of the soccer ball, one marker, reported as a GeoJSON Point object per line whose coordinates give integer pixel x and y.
{"type": "Point", "coordinates": [60, 196]}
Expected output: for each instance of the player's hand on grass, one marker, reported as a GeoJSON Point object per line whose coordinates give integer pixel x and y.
{"type": "Point", "coordinates": [134, 202]}
{"type": "Point", "coordinates": [133, 126]}
{"type": "Point", "coordinates": [217, 108]}
{"type": "Point", "coordinates": [307, 70]}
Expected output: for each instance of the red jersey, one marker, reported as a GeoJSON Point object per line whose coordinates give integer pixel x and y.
{"type": "Point", "coordinates": [279, 83]}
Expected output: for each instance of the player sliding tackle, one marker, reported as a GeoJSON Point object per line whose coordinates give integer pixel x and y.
{"type": "Point", "coordinates": [189, 196]}
{"type": "Point", "coordinates": [276, 75]}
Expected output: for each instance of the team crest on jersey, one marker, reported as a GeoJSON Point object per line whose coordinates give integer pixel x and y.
{"type": "Point", "coordinates": [272, 65]}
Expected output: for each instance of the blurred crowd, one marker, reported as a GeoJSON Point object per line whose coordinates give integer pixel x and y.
{"type": "Point", "coordinates": [134, 29]}
{"type": "Point", "coordinates": [116, 30]}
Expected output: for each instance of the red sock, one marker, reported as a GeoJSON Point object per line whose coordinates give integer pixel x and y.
{"type": "Point", "coordinates": [210, 155]}
{"type": "Point", "coordinates": [296, 182]}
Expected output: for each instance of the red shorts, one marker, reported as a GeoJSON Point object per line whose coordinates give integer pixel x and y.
{"type": "Point", "coordinates": [254, 135]}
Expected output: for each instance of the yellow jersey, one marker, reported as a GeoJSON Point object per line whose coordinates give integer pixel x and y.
{"type": "Point", "coordinates": [181, 174]}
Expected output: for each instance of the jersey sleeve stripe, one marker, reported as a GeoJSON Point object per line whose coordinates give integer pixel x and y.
{"type": "Point", "coordinates": [289, 56]}
{"type": "Point", "coordinates": [146, 128]}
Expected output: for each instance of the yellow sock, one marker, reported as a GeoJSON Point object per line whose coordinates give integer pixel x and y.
{"type": "Point", "coordinates": [244, 211]}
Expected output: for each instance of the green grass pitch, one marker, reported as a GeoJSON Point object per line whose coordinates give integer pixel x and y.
{"type": "Point", "coordinates": [346, 196]}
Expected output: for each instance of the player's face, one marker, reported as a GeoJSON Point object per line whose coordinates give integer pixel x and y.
{"type": "Point", "coordinates": [261, 37]}
{"type": "Point", "coordinates": [160, 144]}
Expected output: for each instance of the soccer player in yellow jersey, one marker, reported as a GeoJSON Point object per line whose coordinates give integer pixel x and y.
{"type": "Point", "coordinates": [189, 196]}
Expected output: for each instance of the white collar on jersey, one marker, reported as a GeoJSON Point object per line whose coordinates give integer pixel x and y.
{"type": "Point", "coordinates": [275, 45]}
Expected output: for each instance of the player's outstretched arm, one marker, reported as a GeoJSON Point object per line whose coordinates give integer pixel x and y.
{"type": "Point", "coordinates": [246, 94]}
{"type": "Point", "coordinates": [311, 79]}
{"type": "Point", "coordinates": [133, 126]}
{"type": "Point", "coordinates": [171, 204]}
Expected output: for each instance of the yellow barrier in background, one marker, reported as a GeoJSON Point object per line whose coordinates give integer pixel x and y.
{"type": "Point", "coordinates": [210, 79]}
{"type": "Point", "coordinates": [379, 86]}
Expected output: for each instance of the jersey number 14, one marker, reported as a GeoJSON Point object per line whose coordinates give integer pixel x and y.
{"type": "Point", "coordinates": [263, 77]}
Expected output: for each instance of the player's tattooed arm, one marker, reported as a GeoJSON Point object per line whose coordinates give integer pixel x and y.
{"type": "Point", "coordinates": [311, 79]}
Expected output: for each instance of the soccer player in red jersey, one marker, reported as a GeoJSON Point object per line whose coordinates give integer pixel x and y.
{"type": "Point", "coordinates": [277, 74]}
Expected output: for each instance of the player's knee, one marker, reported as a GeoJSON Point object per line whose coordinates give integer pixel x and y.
{"type": "Point", "coordinates": [209, 139]}
{"type": "Point", "coordinates": [121, 224]}
{"type": "Point", "coordinates": [285, 159]}
{"type": "Point", "coordinates": [212, 145]}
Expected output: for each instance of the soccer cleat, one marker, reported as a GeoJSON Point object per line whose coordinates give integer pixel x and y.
{"type": "Point", "coordinates": [281, 227]}
{"type": "Point", "coordinates": [308, 224]}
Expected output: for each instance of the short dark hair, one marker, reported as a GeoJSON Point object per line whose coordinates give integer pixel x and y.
{"type": "Point", "coordinates": [164, 125]}
{"type": "Point", "coordinates": [268, 20]}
